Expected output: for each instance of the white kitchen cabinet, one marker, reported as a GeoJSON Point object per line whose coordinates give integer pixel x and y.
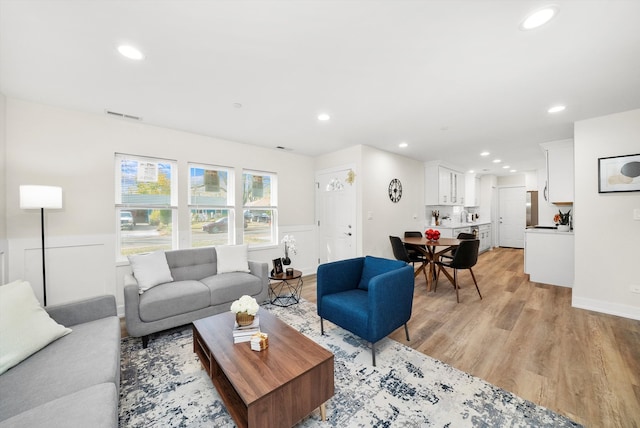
{"type": "Point", "coordinates": [443, 185]}
{"type": "Point", "coordinates": [560, 171]}
{"type": "Point", "coordinates": [484, 234]}
{"type": "Point", "coordinates": [549, 256]}
{"type": "Point", "coordinates": [471, 190]}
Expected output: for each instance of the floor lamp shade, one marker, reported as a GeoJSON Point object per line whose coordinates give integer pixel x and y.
{"type": "Point", "coordinates": [36, 197]}
{"type": "Point", "coordinates": [41, 197]}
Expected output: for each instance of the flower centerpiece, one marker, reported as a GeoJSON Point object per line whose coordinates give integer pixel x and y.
{"type": "Point", "coordinates": [289, 242]}
{"type": "Point", "coordinates": [562, 220]}
{"type": "Point", "coordinates": [245, 308]}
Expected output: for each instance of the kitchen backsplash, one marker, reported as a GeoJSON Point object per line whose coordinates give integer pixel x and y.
{"type": "Point", "coordinates": [455, 212]}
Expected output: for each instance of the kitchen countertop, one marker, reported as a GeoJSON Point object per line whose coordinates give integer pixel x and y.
{"type": "Point", "coordinates": [459, 225]}
{"type": "Point", "coordinates": [547, 231]}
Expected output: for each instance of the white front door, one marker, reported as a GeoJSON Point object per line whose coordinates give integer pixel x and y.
{"type": "Point", "coordinates": [512, 216]}
{"type": "Point", "coordinates": [336, 215]}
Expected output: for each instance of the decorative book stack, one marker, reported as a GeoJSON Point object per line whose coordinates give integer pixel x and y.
{"type": "Point", "coordinates": [259, 341]}
{"type": "Point", "coordinates": [244, 333]}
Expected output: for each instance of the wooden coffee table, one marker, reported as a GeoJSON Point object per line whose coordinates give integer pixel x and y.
{"type": "Point", "coordinates": [276, 387]}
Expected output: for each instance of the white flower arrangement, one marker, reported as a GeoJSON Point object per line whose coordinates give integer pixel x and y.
{"type": "Point", "coordinates": [245, 304]}
{"type": "Point", "coordinates": [289, 242]}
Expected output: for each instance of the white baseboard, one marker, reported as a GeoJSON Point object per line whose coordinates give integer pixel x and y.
{"type": "Point", "coordinates": [625, 311]}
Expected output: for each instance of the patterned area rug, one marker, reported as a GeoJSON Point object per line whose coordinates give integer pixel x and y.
{"type": "Point", "coordinates": [164, 385]}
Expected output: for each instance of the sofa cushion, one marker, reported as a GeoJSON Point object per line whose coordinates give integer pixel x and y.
{"type": "Point", "coordinates": [95, 406]}
{"type": "Point", "coordinates": [88, 356]}
{"type": "Point", "coordinates": [150, 270]}
{"type": "Point", "coordinates": [374, 266]}
{"type": "Point", "coordinates": [193, 263]}
{"type": "Point", "coordinates": [25, 327]}
{"type": "Point", "coordinates": [348, 308]}
{"type": "Point", "coordinates": [173, 298]}
{"type": "Point", "coordinates": [232, 258]}
{"type": "Point", "coordinates": [228, 287]}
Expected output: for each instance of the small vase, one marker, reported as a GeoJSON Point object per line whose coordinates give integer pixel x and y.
{"type": "Point", "coordinates": [243, 318]}
{"type": "Point", "coordinates": [563, 228]}
{"type": "Point", "coordinates": [286, 260]}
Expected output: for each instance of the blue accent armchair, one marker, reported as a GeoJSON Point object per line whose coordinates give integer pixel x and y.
{"type": "Point", "coordinates": [369, 296]}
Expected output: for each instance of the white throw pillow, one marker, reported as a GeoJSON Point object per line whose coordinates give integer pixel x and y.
{"type": "Point", "coordinates": [232, 258]}
{"type": "Point", "coordinates": [150, 270]}
{"type": "Point", "coordinates": [25, 327]}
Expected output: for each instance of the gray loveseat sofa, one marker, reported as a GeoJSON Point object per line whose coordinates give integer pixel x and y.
{"type": "Point", "coordinates": [75, 380]}
{"type": "Point", "coordinates": [197, 291]}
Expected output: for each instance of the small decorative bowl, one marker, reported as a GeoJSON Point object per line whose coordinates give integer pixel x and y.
{"type": "Point", "coordinates": [243, 318]}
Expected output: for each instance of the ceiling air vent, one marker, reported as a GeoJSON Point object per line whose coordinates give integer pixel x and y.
{"type": "Point", "coordinates": [122, 115]}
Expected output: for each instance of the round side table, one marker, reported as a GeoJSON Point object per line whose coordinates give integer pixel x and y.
{"type": "Point", "coordinates": [284, 290]}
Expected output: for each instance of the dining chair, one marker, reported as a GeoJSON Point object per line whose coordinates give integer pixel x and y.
{"type": "Point", "coordinates": [462, 235]}
{"type": "Point", "coordinates": [400, 252]}
{"type": "Point", "coordinates": [413, 234]}
{"type": "Point", "coordinates": [465, 257]}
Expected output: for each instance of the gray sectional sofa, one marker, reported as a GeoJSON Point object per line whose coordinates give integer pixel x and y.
{"type": "Point", "coordinates": [197, 291]}
{"type": "Point", "coordinates": [75, 380]}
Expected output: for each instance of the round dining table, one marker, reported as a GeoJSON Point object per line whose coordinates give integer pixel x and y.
{"type": "Point", "coordinates": [432, 250]}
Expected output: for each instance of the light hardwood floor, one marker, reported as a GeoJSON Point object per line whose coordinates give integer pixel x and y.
{"type": "Point", "coordinates": [526, 338]}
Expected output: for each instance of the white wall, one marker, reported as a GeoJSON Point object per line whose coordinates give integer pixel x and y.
{"type": "Point", "coordinates": [389, 218]}
{"type": "Point", "coordinates": [75, 150]}
{"type": "Point", "coordinates": [606, 236]}
{"type": "Point", "coordinates": [3, 192]}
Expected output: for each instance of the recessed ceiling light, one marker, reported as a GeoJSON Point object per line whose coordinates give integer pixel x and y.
{"type": "Point", "coordinates": [130, 52]}
{"type": "Point", "coordinates": [497, 161]}
{"type": "Point", "coordinates": [514, 170]}
{"type": "Point", "coordinates": [556, 109]}
{"type": "Point", "coordinates": [485, 154]}
{"type": "Point", "coordinates": [324, 117]}
{"type": "Point", "coordinates": [403, 145]}
{"type": "Point", "coordinates": [506, 167]}
{"type": "Point", "coordinates": [539, 17]}
{"type": "Point", "coordinates": [471, 171]}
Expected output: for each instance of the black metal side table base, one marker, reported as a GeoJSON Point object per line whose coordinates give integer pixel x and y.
{"type": "Point", "coordinates": [285, 291]}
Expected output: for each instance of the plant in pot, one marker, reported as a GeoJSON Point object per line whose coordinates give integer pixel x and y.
{"type": "Point", "coordinates": [245, 308]}
{"type": "Point", "coordinates": [562, 220]}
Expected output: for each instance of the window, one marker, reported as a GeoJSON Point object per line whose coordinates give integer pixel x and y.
{"type": "Point", "coordinates": [259, 203]}
{"type": "Point", "coordinates": [211, 205]}
{"type": "Point", "coordinates": [146, 204]}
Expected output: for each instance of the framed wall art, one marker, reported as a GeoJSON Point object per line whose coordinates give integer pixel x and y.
{"type": "Point", "coordinates": [619, 174]}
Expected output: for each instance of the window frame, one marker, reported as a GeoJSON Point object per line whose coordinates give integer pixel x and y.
{"type": "Point", "coordinates": [273, 205]}
{"type": "Point", "coordinates": [229, 206]}
{"type": "Point", "coordinates": [131, 206]}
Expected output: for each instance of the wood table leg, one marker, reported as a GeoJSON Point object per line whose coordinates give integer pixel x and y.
{"type": "Point", "coordinates": [323, 412]}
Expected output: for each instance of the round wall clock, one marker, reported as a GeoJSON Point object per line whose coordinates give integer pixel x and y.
{"type": "Point", "coordinates": [395, 190]}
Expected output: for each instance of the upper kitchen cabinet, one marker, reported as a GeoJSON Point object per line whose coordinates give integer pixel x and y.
{"type": "Point", "coordinates": [560, 176]}
{"type": "Point", "coordinates": [471, 190]}
{"type": "Point", "coordinates": [443, 185]}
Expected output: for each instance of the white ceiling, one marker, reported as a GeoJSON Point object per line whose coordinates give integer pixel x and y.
{"type": "Point", "coordinates": [451, 78]}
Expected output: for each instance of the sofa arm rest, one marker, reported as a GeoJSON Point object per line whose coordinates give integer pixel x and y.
{"type": "Point", "coordinates": [73, 313]}
{"type": "Point", "coordinates": [390, 300]}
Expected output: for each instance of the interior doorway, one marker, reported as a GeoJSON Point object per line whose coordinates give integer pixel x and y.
{"type": "Point", "coordinates": [512, 216]}
{"type": "Point", "coordinates": [336, 214]}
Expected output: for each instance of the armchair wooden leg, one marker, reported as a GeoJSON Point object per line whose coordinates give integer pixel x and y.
{"type": "Point", "coordinates": [145, 341]}
{"type": "Point", "coordinates": [321, 326]}
{"type": "Point", "coordinates": [475, 282]}
{"type": "Point", "coordinates": [406, 331]}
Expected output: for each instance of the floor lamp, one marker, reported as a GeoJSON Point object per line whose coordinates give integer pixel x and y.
{"type": "Point", "coordinates": [34, 197]}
